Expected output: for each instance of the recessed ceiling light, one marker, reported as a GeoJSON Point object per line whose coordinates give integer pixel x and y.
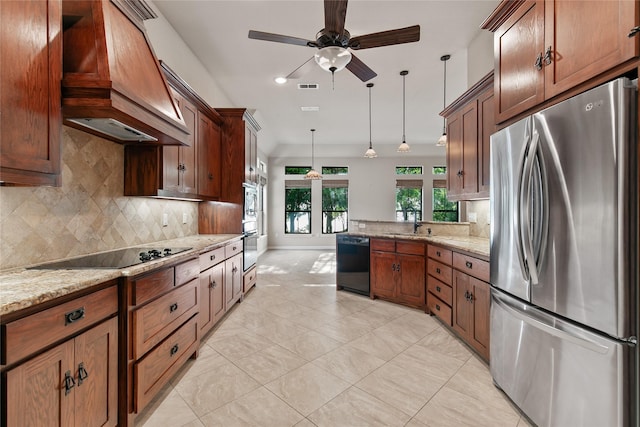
{"type": "Point", "coordinates": [310, 108]}
{"type": "Point", "coordinates": [280, 80]}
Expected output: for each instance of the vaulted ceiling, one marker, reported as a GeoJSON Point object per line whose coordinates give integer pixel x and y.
{"type": "Point", "coordinates": [217, 32]}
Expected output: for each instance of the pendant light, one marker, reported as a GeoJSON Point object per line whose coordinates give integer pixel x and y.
{"type": "Point", "coordinates": [370, 153]}
{"type": "Point", "coordinates": [312, 174]}
{"type": "Point", "coordinates": [403, 147]}
{"type": "Point", "coordinates": [442, 141]}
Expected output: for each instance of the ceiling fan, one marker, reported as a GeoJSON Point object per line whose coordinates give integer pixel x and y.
{"type": "Point", "coordinates": [334, 41]}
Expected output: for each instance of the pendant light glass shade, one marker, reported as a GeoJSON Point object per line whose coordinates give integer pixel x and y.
{"type": "Point", "coordinates": [312, 174]}
{"type": "Point", "coordinates": [370, 153]}
{"type": "Point", "coordinates": [403, 147]}
{"type": "Point", "coordinates": [442, 141]}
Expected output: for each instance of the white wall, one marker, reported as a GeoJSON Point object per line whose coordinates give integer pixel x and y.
{"type": "Point", "coordinates": [479, 57]}
{"type": "Point", "coordinates": [171, 49]}
{"type": "Point", "coordinates": [371, 194]}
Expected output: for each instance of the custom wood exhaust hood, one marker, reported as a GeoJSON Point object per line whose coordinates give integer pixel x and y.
{"type": "Point", "coordinates": [112, 83]}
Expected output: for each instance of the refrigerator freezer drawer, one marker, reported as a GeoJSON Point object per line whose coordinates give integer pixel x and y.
{"type": "Point", "coordinates": [556, 372]}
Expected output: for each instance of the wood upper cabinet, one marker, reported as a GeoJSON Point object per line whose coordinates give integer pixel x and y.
{"type": "Point", "coordinates": [188, 172]}
{"type": "Point", "coordinates": [239, 153]}
{"type": "Point", "coordinates": [31, 119]}
{"type": "Point", "coordinates": [470, 123]}
{"type": "Point", "coordinates": [544, 48]}
{"type": "Point", "coordinates": [398, 271]}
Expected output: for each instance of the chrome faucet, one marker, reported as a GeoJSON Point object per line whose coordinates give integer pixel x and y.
{"type": "Point", "coordinates": [415, 223]}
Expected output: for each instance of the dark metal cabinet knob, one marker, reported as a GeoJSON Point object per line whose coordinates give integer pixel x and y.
{"type": "Point", "coordinates": [634, 32]}
{"type": "Point", "coordinates": [173, 307]}
{"type": "Point", "coordinates": [82, 373]}
{"type": "Point", "coordinates": [468, 264]}
{"type": "Point", "coordinates": [69, 382]}
{"type": "Point", "coordinates": [547, 56]}
{"type": "Point", "coordinates": [74, 316]}
{"type": "Point", "coordinates": [538, 63]}
{"type": "Point", "coordinates": [174, 350]}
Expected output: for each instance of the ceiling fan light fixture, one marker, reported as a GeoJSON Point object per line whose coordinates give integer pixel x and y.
{"type": "Point", "coordinates": [312, 174]}
{"type": "Point", "coordinates": [332, 58]}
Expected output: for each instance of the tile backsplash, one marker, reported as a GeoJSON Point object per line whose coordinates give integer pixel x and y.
{"type": "Point", "coordinates": [481, 226]}
{"type": "Point", "coordinates": [88, 213]}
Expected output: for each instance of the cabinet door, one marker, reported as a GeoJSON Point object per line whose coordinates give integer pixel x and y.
{"type": "Point", "coordinates": [412, 286]}
{"type": "Point", "coordinates": [586, 38]}
{"type": "Point", "coordinates": [470, 149]}
{"type": "Point", "coordinates": [481, 296]}
{"type": "Point", "coordinates": [383, 274]}
{"type": "Point", "coordinates": [171, 166]}
{"type": "Point", "coordinates": [208, 158]}
{"type": "Point", "coordinates": [37, 393]}
{"type": "Point", "coordinates": [462, 308]}
{"type": "Point", "coordinates": [232, 280]}
{"type": "Point", "coordinates": [96, 368]}
{"type": "Point", "coordinates": [211, 297]}
{"type": "Point", "coordinates": [254, 158]}
{"type": "Point", "coordinates": [31, 119]}
{"type": "Point", "coordinates": [217, 292]}
{"type": "Point", "coordinates": [486, 127]}
{"type": "Point", "coordinates": [454, 155]}
{"type": "Point", "coordinates": [188, 153]}
{"type": "Point", "coordinates": [518, 43]}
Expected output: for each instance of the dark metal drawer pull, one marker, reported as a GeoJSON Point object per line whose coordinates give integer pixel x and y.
{"type": "Point", "coordinates": [438, 270]}
{"type": "Point", "coordinates": [437, 307]}
{"type": "Point", "coordinates": [69, 383]}
{"type": "Point", "coordinates": [468, 264]}
{"type": "Point", "coordinates": [82, 373]}
{"type": "Point", "coordinates": [212, 257]}
{"type": "Point", "coordinates": [74, 316]}
{"type": "Point", "coordinates": [173, 307]}
{"type": "Point", "coordinates": [438, 253]}
{"type": "Point", "coordinates": [438, 289]}
{"type": "Point", "coordinates": [174, 350]}
{"type": "Point", "coordinates": [634, 31]}
{"type": "Point", "coordinates": [213, 284]}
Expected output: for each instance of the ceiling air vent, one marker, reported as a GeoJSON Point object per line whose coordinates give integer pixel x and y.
{"type": "Point", "coordinates": [310, 108]}
{"type": "Point", "coordinates": [308, 86]}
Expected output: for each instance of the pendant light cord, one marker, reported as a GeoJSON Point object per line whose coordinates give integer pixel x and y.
{"type": "Point", "coordinates": [370, 146]}
{"type": "Point", "coordinates": [312, 150]}
{"type": "Point", "coordinates": [403, 103]}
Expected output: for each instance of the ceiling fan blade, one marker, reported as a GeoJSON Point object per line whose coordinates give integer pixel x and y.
{"type": "Point", "coordinates": [386, 38]}
{"type": "Point", "coordinates": [335, 13]}
{"type": "Point", "coordinates": [302, 70]}
{"type": "Point", "coordinates": [360, 69]}
{"type": "Point", "coordinates": [270, 37]}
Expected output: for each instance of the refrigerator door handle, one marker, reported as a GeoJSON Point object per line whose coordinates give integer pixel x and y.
{"type": "Point", "coordinates": [518, 217]}
{"type": "Point", "coordinates": [550, 329]}
{"type": "Point", "coordinates": [525, 209]}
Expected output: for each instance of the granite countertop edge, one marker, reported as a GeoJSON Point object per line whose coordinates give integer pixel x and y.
{"type": "Point", "coordinates": [472, 244]}
{"type": "Point", "coordinates": [23, 287]}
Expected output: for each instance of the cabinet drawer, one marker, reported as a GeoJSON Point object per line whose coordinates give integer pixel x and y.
{"type": "Point", "coordinates": [439, 308]}
{"type": "Point", "coordinates": [157, 368]}
{"type": "Point", "coordinates": [187, 271]}
{"type": "Point", "coordinates": [410, 248]}
{"type": "Point", "coordinates": [156, 320]}
{"type": "Point", "coordinates": [472, 266]}
{"type": "Point", "coordinates": [441, 290]}
{"type": "Point", "coordinates": [28, 335]}
{"type": "Point", "coordinates": [441, 254]}
{"type": "Point", "coordinates": [150, 286]}
{"type": "Point", "coordinates": [211, 258]}
{"type": "Point", "coordinates": [382, 245]}
{"type": "Point", "coordinates": [250, 279]}
{"type": "Point", "coordinates": [440, 271]}
{"type": "Point", "coordinates": [232, 249]}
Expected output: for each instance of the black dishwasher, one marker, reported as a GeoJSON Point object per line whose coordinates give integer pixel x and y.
{"type": "Point", "coordinates": [352, 253]}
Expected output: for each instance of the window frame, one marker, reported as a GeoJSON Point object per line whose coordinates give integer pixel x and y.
{"type": "Point", "coordinates": [409, 184]}
{"type": "Point", "coordinates": [327, 184]}
{"type": "Point", "coordinates": [297, 185]}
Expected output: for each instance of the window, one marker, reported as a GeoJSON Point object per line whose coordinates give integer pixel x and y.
{"type": "Point", "coordinates": [297, 207]}
{"type": "Point", "coordinates": [409, 200]}
{"type": "Point", "coordinates": [408, 170]}
{"type": "Point", "coordinates": [443, 209]}
{"type": "Point", "coordinates": [296, 170]}
{"type": "Point", "coordinates": [335, 204]}
{"type": "Point", "coordinates": [439, 170]}
{"type": "Point", "coordinates": [335, 170]}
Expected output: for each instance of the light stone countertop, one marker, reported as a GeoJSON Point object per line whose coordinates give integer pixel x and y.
{"type": "Point", "coordinates": [475, 245]}
{"type": "Point", "coordinates": [21, 288]}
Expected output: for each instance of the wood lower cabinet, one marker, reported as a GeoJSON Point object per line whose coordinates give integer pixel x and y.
{"type": "Point", "coordinates": [471, 312]}
{"type": "Point", "coordinates": [76, 381]}
{"type": "Point", "coordinates": [31, 119]}
{"type": "Point", "coordinates": [161, 331]}
{"type": "Point", "coordinates": [439, 283]}
{"type": "Point", "coordinates": [233, 280]}
{"type": "Point", "coordinates": [398, 271]}
{"type": "Point", "coordinates": [212, 276]}
{"type": "Point", "coordinates": [250, 279]}
{"type": "Point", "coordinates": [543, 48]}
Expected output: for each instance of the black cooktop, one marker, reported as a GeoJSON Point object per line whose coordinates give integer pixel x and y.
{"type": "Point", "coordinates": [120, 258]}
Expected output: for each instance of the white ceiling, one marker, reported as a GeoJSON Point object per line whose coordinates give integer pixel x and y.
{"type": "Point", "coordinates": [216, 31]}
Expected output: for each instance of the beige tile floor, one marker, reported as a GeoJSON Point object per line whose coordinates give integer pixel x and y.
{"type": "Point", "coordinates": [297, 353]}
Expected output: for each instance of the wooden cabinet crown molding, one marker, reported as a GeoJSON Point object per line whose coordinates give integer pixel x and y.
{"type": "Point", "coordinates": [243, 113]}
{"type": "Point", "coordinates": [182, 87]}
{"type": "Point", "coordinates": [470, 94]}
{"type": "Point", "coordinates": [500, 14]}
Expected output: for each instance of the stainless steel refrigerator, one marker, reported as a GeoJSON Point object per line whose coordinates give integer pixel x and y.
{"type": "Point", "coordinates": [564, 273]}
